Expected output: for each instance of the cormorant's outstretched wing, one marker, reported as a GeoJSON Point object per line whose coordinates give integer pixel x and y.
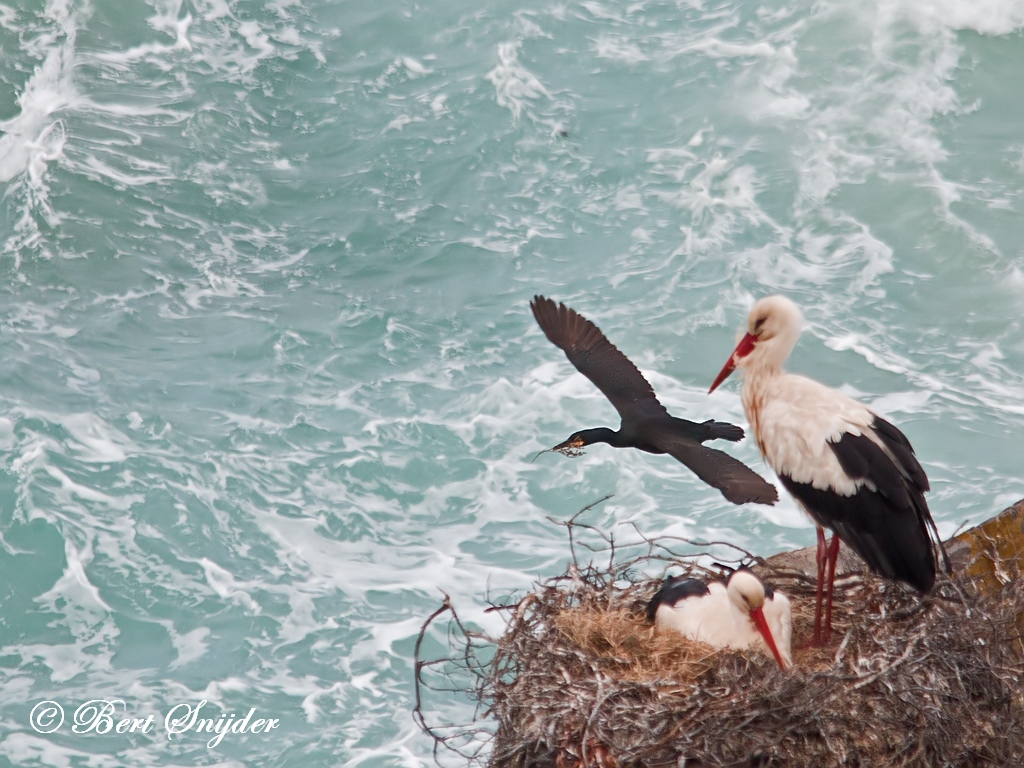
{"type": "Point", "coordinates": [597, 359]}
{"type": "Point", "coordinates": [737, 482]}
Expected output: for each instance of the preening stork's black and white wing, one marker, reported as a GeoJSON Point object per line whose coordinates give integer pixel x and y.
{"type": "Point", "coordinates": [850, 469]}
{"type": "Point", "coordinates": [892, 495]}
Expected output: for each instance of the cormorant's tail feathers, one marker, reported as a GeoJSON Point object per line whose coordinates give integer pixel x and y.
{"type": "Point", "coordinates": [722, 430]}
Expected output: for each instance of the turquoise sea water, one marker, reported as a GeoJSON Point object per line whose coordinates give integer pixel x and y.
{"type": "Point", "coordinates": [270, 383]}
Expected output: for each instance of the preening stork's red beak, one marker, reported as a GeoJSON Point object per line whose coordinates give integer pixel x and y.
{"type": "Point", "coordinates": [744, 348]}
{"type": "Point", "coordinates": [757, 616]}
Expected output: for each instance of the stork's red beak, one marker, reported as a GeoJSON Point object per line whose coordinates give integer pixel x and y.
{"type": "Point", "coordinates": [744, 348]}
{"type": "Point", "coordinates": [757, 616]}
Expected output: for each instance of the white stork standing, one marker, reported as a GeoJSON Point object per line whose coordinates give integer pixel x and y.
{"type": "Point", "coordinates": [851, 470]}
{"type": "Point", "coordinates": [742, 612]}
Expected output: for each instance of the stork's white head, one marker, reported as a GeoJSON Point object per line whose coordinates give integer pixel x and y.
{"type": "Point", "coordinates": [773, 327]}
{"type": "Point", "coordinates": [747, 592]}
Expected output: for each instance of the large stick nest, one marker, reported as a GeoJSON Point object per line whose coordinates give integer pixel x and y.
{"type": "Point", "coordinates": [581, 679]}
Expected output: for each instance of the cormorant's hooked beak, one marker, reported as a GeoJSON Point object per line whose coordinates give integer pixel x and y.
{"type": "Point", "coordinates": [744, 348]}
{"type": "Point", "coordinates": [757, 616]}
{"type": "Point", "coordinates": [571, 448]}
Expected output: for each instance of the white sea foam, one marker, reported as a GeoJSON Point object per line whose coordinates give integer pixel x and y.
{"type": "Point", "coordinates": [35, 137]}
{"type": "Point", "coordinates": [49, 90]}
{"type": "Point", "coordinates": [74, 584]}
{"type": "Point", "coordinates": [618, 49]}
{"type": "Point", "coordinates": [515, 86]}
{"type": "Point", "coordinates": [190, 646]}
{"type": "Point", "coordinates": [26, 748]}
{"type": "Point", "coordinates": [717, 191]}
{"type": "Point", "coordinates": [226, 586]}
{"type": "Point", "coordinates": [96, 441]}
{"type": "Point", "coordinates": [7, 438]}
{"type": "Point", "coordinates": [901, 402]}
{"type": "Point", "coordinates": [154, 52]}
{"type": "Point", "coordinates": [71, 495]}
{"type": "Point", "coordinates": [989, 17]}
{"type": "Point", "coordinates": [85, 614]}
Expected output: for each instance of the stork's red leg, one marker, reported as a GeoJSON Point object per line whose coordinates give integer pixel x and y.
{"type": "Point", "coordinates": [822, 556]}
{"type": "Point", "coordinates": [833, 557]}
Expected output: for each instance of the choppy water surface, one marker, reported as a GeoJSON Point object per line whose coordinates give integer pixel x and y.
{"type": "Point", "coordinates": [270, 382]}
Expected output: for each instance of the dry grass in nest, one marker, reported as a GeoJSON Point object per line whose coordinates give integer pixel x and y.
{"type": "Point", "coordinates": [631, 647]}
{"type": "Point", "coordinates": [580, 679]}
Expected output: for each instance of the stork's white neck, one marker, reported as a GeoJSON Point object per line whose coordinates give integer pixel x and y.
{"type": "Point", "coordinates": [759, 374]}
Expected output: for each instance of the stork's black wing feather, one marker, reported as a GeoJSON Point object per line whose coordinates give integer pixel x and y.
{"type": "Point", "coordinates": [737, 482]}
{"type": "Point", "coordinates": [895, 484]}
{"type": "Point", "coordinates": [893, 542]}
{"type": "Point", "coordinates": [674, 589]}
{"type": "Point", "coordinates": [886, 521]}
{"type": "Point", "coordinates": [862, 459]}
{"type": "Point", "coordinates": [900, 447]}
{"type": "Point", "coordinates": [597, 359]}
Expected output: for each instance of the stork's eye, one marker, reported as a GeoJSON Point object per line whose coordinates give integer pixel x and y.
{"type": "Point", "coordinates": [758, 325]}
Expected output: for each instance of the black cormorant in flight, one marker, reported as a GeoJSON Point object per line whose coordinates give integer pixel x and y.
{"type": "Point", "coordinates": [646, 424]}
